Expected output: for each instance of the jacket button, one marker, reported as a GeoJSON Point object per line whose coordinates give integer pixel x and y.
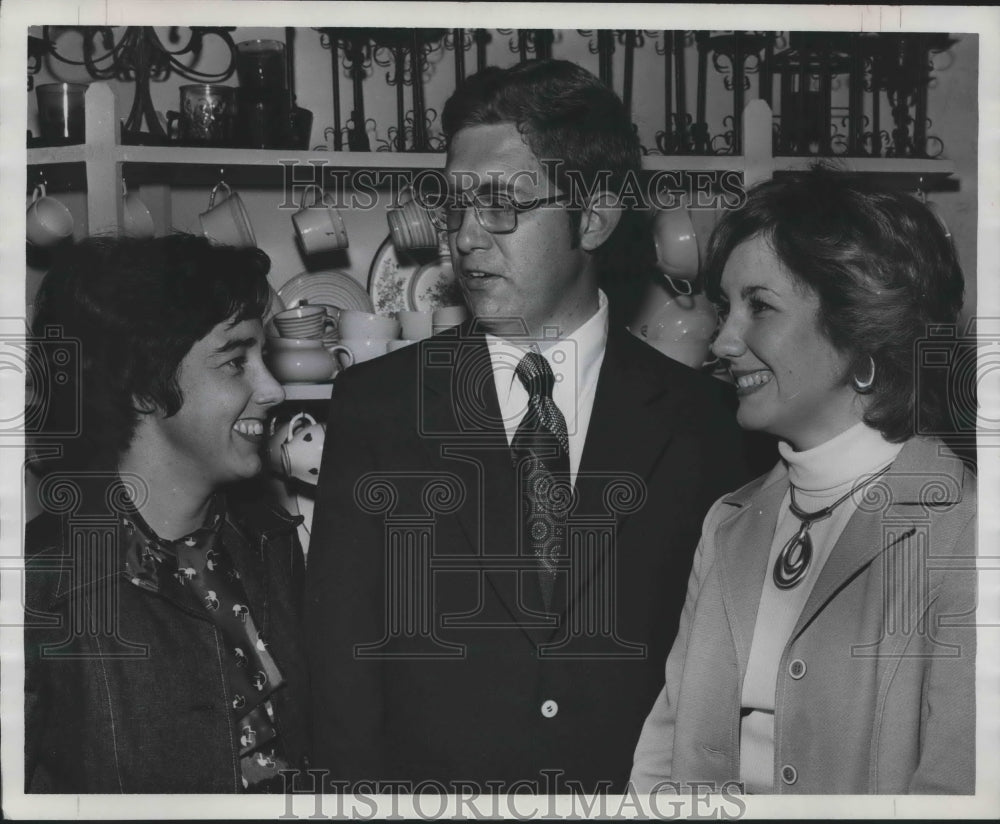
{"type": "Point", "coordinates": [797, 668]}
{"type": "Point", "coordinates": [550, 708]}
{"type": "Point", "coordinates": [788, 774]}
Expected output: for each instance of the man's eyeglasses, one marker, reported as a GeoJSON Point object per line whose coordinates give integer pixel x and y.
{"type": "Point", "coordinates": [497, 215]}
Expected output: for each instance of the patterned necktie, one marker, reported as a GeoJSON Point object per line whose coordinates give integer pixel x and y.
{"type": "Point", "coordinates": [540, 451]}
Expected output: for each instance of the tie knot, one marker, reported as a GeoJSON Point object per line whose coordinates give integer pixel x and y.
{"type": "Point", "coordinates": [536, 375]}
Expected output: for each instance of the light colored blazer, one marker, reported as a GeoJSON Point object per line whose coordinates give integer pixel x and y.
{"type": "Point", "coordinates": [876, 685]}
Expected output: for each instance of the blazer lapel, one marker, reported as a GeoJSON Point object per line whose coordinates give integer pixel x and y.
{"type": "Point", "coordinates": [748, 535]}
{"type": "Point", "coordinates": [890, 511]}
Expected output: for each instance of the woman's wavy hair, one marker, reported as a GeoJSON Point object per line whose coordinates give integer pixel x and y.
{"type": "Point", "coordinates": [136, 307]}
{"type": "Point", "coordinates": [883, 267]}
{"type": "Point", "coordinates": [582, 132]}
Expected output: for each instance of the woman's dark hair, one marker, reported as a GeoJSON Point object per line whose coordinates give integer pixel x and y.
{"type": "Point", "coordinates": [578, 128]}
{"type": "Point", "coordinates": [136, 307]}
{"type": "Point", "coordinates": [884, 270]}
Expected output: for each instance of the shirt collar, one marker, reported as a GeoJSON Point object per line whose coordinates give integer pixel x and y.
{"type": "Point", "coordinates": [576, 357]}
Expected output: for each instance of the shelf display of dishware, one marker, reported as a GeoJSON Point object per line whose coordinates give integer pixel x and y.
{"type": "Point", "coordinates": [406, 271]}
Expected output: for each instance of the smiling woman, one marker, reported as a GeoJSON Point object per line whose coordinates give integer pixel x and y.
{"type": "Point", "coordinates": [810, 657]}
{"type": "Point", "coordinates": [150, 671]}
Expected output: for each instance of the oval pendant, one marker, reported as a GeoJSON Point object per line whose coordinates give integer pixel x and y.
{"type": "Point", "coordinates": [793, 561]}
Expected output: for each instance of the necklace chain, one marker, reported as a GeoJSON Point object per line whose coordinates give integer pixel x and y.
{"type": "Point", "coordinates": [792, 563]}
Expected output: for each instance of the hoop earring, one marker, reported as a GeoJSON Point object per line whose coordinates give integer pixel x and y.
{"type": "Point", "coordinates": [863, 387]}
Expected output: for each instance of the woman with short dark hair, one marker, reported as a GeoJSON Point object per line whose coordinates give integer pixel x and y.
{"type": "Point", "coordinates": [162, 630]}
{"type": "Point", "coordinates": [827, 643]}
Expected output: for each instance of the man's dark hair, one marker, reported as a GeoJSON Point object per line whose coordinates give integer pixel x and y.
{"type": "Point", "coordinates": [564, 113]}
{"type": "Point", "coordinates": [882, 266]}
{"type": "Point", "coordinates": [581, 132]}
{"type": "Point", "coordinates": [137, 306]}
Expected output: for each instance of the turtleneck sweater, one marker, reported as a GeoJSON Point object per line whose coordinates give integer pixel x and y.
{"type": "Point", "coordinates": [820, 476]}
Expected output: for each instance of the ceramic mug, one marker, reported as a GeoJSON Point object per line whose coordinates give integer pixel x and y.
{"type": "Point", "coordinates": [136, 218]}
{"type": "Point", "coordinates": [357, 324]}
{"type": "Point", "coordinates": [411, 224]}
{"type": "Point", "coordinates": [448, 316]}
{"type": "Point", "coordinates": [306, 321]}
{"type": "Point", "coordinates": [677, 254]}
{"type": "Point", "coordinates": [363, 349]}
{"type": "Point", "coordinates": [227, 223]}
{"type": "Point", "coordinates": [302, 452]}
{"type": "Point", "coordinates": [414, 325]}
{"type": "Point", "coordinates": [320, 228]}
{"type": "Point", "coordinates": [48, 221]}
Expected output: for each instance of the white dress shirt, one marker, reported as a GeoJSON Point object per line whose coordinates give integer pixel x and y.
{"type": "Point", "coordinates": [575, 361]}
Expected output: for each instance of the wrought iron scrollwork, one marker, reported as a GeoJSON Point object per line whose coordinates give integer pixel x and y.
{"type": "Point", "coordinates": [138, 53]}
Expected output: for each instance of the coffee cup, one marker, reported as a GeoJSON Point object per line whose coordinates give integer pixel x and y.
{"type": "Point", "coordinates": [447, 317]}
{"type": "Point", "coordinates": [410, 224]}
{"type": "Point", "coordinates": [320, 227]}
{"type": "Point", "coordinates": [228, 222]}
{"type": "Point", "coordinates": [306, 321]}
{"type": "Point", "coordinates": [357, 324]}
{"type": "Point", "coordinates": [362, 349]}
{"type": "Point", "coordinates": [415, 325]}
{"type": "Point", "coordinates": [136, 218]}
{"type": "Point", "coordinates": [302, 452]}
{"type": "Point", "coordinates": [48, 221]}
{"type": "Point", "coordinates": [676, 244]}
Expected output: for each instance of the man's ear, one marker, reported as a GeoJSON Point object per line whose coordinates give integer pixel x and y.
{"type": "Point", "coordinates": [599, 218]}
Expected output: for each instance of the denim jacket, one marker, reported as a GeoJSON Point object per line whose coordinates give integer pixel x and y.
{"type": "Point", "coordinates": [124, 689]}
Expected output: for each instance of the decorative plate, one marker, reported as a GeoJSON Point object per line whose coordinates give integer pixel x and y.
{"type": "Point", "coordinates": [389, 279]}
{"type": "Point", "coordinates": [433, 286]}
{"type": "Point", "coordinates": [397, 281]}
{"type": "Point", "coordinates": [331, 287]}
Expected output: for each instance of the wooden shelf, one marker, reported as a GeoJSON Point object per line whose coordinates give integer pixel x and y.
{"type": "Point", "coordinates": [57, 154]}
{"type": "Point", "coordinates": [693, 163]}
{"type": "Point", "coordinates": [307, 391]}
{"type": "Point", "coordinates": [193, 155]}
{"type": "Point", "coordinates": [871, 165]}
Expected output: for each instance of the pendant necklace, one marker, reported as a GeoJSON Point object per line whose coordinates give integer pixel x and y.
{"type": "Point", "coordinates": [792, 562]}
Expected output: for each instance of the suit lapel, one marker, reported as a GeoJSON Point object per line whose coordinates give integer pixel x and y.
{"type": "Point", "coordinates": [629, 430]}
{"type": "Point", "coordinates": [465, 432]}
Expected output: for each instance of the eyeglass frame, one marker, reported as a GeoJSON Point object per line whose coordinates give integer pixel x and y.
{"type": "Point", "coordinates": [439, 214]}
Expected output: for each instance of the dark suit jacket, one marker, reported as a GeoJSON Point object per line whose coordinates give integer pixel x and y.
{"type": "Point", "coordinates": [426, 662]}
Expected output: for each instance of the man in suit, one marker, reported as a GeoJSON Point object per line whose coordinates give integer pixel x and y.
{"type": "Point", "coordinates": [507, 513]}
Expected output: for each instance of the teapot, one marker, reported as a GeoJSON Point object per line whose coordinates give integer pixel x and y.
{"type": "Point", "coordinates": [679, 326]}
